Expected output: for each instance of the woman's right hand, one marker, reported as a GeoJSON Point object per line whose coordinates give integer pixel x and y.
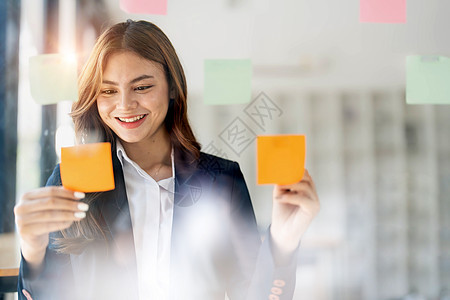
{"type": "Point", "coordinates": [42, 211]}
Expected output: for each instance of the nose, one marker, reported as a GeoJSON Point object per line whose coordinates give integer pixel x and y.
{"type": "Point", "coordinates": [126, 102]}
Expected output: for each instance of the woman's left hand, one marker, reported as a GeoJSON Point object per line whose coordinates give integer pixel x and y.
{"type": "Point", "coordinates": [294, 207]}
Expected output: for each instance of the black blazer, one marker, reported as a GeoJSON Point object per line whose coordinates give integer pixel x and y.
{"type": "Point", "coordinates": [216, 248]}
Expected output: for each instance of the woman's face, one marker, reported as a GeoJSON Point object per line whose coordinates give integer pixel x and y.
{"type": "Point", "coordinates": [134, 97]}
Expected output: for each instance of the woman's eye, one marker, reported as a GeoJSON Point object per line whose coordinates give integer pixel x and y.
{"type": "Point", "coordinates": [143, 87]}
{"type": "Point", "coordinates": [108, 92]}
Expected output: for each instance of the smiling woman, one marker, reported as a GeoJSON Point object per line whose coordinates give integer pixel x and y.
{"type": "Point", "coordinates": [153, 53]}
{"type": "Point", "coordinates": [141, 240]}
{"type": "Point", "coordinates": [134, 101]}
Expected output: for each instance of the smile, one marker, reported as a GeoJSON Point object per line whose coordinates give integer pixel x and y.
{"type": "Point", "coordinates": [131, 120]}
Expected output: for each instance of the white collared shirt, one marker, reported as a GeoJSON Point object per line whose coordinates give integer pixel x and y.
{"type": "Point", "coordinates": [151, 208]}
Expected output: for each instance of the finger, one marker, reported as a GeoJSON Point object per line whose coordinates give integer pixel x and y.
{"type": "Point", "coordinates": [53, 191]}
{"type": "Point", "coordinates": [308, 177]}
{"type": "Point", "coordinates": [281, 190]}
{"type": "Point", "coordinates": [296, 197]}
{"type": "Point", "coordinates": [43, 228]}
{"type": "Point", "coordinates": [293, 200]}
{"type": "Point", "coordinates": [50, 203]}
{"type": "Point", "coordinates": [278, 190]}
{"type": "Point", "coordinates": [304, 184]}
{"type": "Point", "coordinates": [49, 217]}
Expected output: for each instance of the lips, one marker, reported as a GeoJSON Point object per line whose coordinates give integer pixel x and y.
{"type": "Point", "coordinates": [131, 122]}
{"type": "Point", "coordinates": [131, 119]}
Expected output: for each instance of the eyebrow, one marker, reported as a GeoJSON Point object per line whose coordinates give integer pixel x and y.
{"type": "Point", "coordinates": [137, 79]}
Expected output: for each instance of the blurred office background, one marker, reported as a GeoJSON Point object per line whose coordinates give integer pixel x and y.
{"type": "Point", "coordinates": [382, 167]}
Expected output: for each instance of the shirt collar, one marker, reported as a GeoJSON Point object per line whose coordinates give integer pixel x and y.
{"type": "Point", "coordinates": [122, 156]}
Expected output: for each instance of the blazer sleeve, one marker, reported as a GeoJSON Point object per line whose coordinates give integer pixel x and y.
{"type": "Point", "coordinates": [256, 277]}
{"type": "Point", "coordinates": [54, 280]}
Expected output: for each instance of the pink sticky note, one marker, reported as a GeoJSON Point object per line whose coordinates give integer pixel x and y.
{"type": "Point", "coordinates": [151, 7]}
{"type": "Point", "coordinates": [382, 11]}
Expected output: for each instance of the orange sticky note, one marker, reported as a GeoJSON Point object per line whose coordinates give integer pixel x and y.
{"type": "Point", "coordinates": [281, 159]}
{"type": "Point", "coordinates": [87, 168]}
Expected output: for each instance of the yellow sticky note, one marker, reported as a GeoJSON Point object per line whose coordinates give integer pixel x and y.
{"type": "Point", "coordinates": [87, 168]}
{"type": "Point", "coordinates": [281, 159]}
{"type": "Point", "coordinates": [53, 78]}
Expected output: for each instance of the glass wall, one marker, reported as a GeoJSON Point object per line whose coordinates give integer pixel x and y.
{"type": "Point", "coordinates": [381, 166]}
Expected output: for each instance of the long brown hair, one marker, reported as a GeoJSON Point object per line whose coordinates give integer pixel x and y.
{"type": "Point", "coordinates": [148, 41]}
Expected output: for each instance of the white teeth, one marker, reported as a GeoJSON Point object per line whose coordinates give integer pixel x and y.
{"type": "Point", "coordinates": [130, 120]}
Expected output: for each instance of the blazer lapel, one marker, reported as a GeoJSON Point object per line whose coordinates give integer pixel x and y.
{"type": "Point", "coordinates": [116, 214]}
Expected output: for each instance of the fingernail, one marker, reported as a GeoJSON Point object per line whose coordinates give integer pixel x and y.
{"type": "Point", "coordinates": [79, 195]}
{"type": "Point", "coordinates": [83, 206]}
{"type": "Point", "coordinates": [80, 214]}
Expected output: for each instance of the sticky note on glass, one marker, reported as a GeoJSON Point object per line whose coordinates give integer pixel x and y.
{"type": "Point", "coordinates": [427, 80]}
{"type": "Point", "coordinates": [151, 7]}
{"type": "Point", "coordinates": [281, 159]}
{"type": "Point", "coordinates": [382, 11]}
{"type": "Point", "coordinates": [87, 168]}
{"type": "Point", "coordinates": [53, 78]}
{"type": "Point", "coordinates": [227, 81]}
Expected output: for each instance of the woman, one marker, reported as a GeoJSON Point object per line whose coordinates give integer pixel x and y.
{"type": "Point", "coordinates": [179, 224]}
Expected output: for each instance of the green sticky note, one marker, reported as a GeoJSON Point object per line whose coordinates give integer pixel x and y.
{"type": "Point", "coordinates": [53, 78]}
{"type": "Point", "coordinates": [227, 81]}
{"type": "Point", "coordinates": [427, 80]}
